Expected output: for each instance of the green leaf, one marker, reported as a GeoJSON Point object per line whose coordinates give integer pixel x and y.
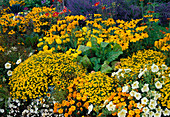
{"type": "Point", "coordinates": [105, 68]}
{"type": "Point", "coordinates": [96, 63]}
{"type": "Point", "coordinates": [84, 48]}
{"type": "Point", "coordinates": [117, 47]}
{"type": "Point", "coordinates": [113, 64]}
{"type": "Point", "coordinates": [113, 55]}
{"type": "Point", "coordinates": [86, 61]}
{"type": "Point", "coordinates": [104, 44]}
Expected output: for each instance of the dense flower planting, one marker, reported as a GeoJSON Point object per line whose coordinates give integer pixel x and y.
{"type": "Point", "coordinates": [99, 59]}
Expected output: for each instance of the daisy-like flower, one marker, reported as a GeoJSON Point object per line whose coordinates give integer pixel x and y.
{"type": "Point", "coordinates": [166, 112]}
{"type": "Point", "coordinates": [122, 113]}
{"type": "Point", "coordinates": [154, 68]}
{"type": "Point", "coordinates": [110, 106]}
{"type": "Point", "coordinates": [137, 96]}
{"type": "Point", "coordinates": [90, 108]}
{"type": "Point", "coordinates": [157, 114]}
{"type": "Point", "coordinates": [144, 100]}
{"type": "Point", "coordinates": [145, 88]}
{"type": "Point", "coordinates": [18, 61]}
{"type": "Point", "coordinates": [132, 93]}
{"type": "Point", "coordinates": [164, 67]}
{"type": "Point", "coordinates": [146, 110]}
{"type": "Point", "coordinates": [1, 110]}
{"type": "Point", "coordinates": [125, 89]}
{"type": "Point", "coordinates": [7, 65]}
{"type": "Point", "coordinates": [158, 85]}
{"type": "Point", "coordinates": [153, 102]}
{"type": "Point", "coordinates": [135, 85]}
{"type": "Point", "coordinates": [9, 73]}
{"type": "Point", "coordinates": [139, 105]}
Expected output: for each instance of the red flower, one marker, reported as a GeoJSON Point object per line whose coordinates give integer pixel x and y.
{"type": "Point", "coordinates": [52, 0]}
{"type": "Point", "coordinates": [97, 3]}
{"type": "Point", "coordinates": [60, 1]}
{"type": "Point", "coordinates": [47, 14]}
{"type": "Point", "coordinates": [167, 28]}
{"type": "Point", "coordinates": [51, 6]}
{"type": "Point", "coordinates": [69, 10]}
{"type": "Point", "coordinates": [64, 10]}
{"type": "Point", "coordinates": [104, 7]}
{"type": "Point", "coordinates": [55, 14]}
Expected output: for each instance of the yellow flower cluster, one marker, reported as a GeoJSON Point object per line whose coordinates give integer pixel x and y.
{"type": "Point", "coordinates": [162, 43]}
{"type": "Point", "coordinates": [97, 86]}
{"type": "Point", "coordinates": [33, 76]}
{"type": "Point", "coordinates": [140, 59]}
{"type": "Point", "coordinates": [13, 2]}
{"type": "Point", "coordinates": [165, 91]}
{"type": "Point", "coordinates": [1, 49]}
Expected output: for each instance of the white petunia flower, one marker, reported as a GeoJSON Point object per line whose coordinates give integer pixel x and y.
{"type": "Point", "coordinates": [151, 113]}
{"type": "Point", "coordinates": [9, 73]}
{"type": "Point", "coordinates": [18, 61]}
{"type": "Point", "coordinates": [7, 65]}
{"type": "Point", "coordinates": [14, 48]}
{"type": "Point", "coordinates": [90, 108]}
{"type": "Point", "coordinates": [146, 110]}
{"type": "Point", "coordinates": [145, 88]}
{"type": "Point", "coordinates": [158, 85]}
{"type": "Point", "coordinates": [137, 96]}
{"type": "Point", "coordinates": [154, 68]}
{"type": "Point", "coordinates": [166, 112]}
{"type": "Point", "coordinates": [157, 95]}
{"type": "Point", "coordinates": [122, 113]}
{"type": "Point", "coordinates": [159, 110]}
{"type": "Point", "coordinates": [135, 85]}
{"type": "Point", "coordinates": [157, 115]}
{"type": "Point", "coordinates": [144, 100]}
{"type": "Point", "coordinates": [139, 105]}
{"type": "Point", "coordinates": [125, 89]}
{"type": "Point", "coordinates": [132, 93]}
{"type": "Point", "coordinates": [153, 102]}
{"type": "Point", "coordinates": [164, 67]}
{"type": "Point", "coordinates": [110, 106]}
{"type": "Point", "coordinates": [152, 106]}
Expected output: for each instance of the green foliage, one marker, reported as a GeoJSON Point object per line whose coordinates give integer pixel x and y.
{"type": "Point", "coordinates": [4, 95]}
{"type": "Point", "coordinates": [99, 56]}
{"type": "Point", "coordinates": [37, 3]}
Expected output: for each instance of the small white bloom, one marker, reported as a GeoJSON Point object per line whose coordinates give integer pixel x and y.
{"type": "Point", "coordinates": [127, 70]}
{"type": "Point", "coordinates": [31, 53]}
{"type": "Point", "coordinates": [140, 74]}
{"type": "Point", "coordinates": [14, 48]}
{"type": "Point", "coordinates": [122, 113]}
{"type": "Point", "coordinates": [90, 108]}
{"type": "Point", "coordinates": [151, 113]}
{"type": "Point", "coordinates": [7, 65]}
{"type": "Point", "coordinates": [139, 105]}
{"type": "Point", "coordinates": [157, 115]}
{"type": "Point", "coordinates": [1, 110]}
{"type": "Point", "coordinates": [146, 110]}
{"type": "Point", "coordinates": [157, 95]}
{"type": "Point", "coordinates": [153, 102]}
{"type": "Point", "coordinates": [137, 96]}
{"type": "Point", "coordinates": [166, 112]}
{"type": "Point", "coordinates": [113, 74]}
{"type": "Point", "coordinates": [145, 88]}
{"type": "Point", "coordinates": [159, 110]}
{"type": "Point", "coordinates": [18, 61]}
{"type": "Point", "coordinates": [152, 106]}
{"type": "Point", "coordinates": [132, 93]}
{"type": "Point", "coordinates": [158, 85]}
{"type": "Point", "coordinates": [135, 85]}
{"type": "Point", "coordinates": [105, 102]}
{"type": "Point", "coordinates": [159, 74]}
{"type": "Point", "coordinates": [169, 75]}
{"type": "Point", "coordinates": [125, 89]}
{"type": "Point", "coordinates": [154, 68]}
{"type": "Point", "coordinates": [164, 67]}
{"type": "Point", "coordinates": [144, 100]}
{"type": "Point", "coordinates": [110, 106]}
{"type": "Point", "coordinates": [31, 110]}
{"type": "Point", "coordinates": [9, 73]}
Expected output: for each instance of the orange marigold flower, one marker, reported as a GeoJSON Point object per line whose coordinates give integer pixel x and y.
{"type": "Point", "coordinates": [97, 3]}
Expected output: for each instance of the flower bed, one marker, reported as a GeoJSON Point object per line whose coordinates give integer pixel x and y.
{"type": "Point", "coordinates": [91, 65]}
